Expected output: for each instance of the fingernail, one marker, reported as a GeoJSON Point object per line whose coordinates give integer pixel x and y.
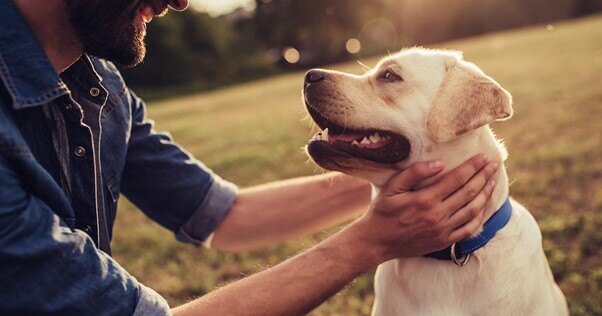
{"type": "Point", "coordinates": [494, 166]}
{"type": "Point", "coordinates": [491, 183]}
{"type": "Point", "coordinates": [435, 164]}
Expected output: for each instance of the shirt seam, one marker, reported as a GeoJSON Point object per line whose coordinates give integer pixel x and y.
{"type": "Point", "coordinates": [19, 101]}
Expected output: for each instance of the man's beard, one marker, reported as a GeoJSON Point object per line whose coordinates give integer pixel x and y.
{"type": "Point", "coordinates": [109, 29]}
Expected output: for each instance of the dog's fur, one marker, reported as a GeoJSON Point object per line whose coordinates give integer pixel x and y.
{"type": "Point", "coordinates": [443, 107]}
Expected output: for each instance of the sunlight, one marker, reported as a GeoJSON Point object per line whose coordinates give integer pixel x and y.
{"type": "Point", "coordinates": [219, 7]}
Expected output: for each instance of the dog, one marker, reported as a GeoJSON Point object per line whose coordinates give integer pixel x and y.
{"type": "Point", "coordinates": [420, 105]}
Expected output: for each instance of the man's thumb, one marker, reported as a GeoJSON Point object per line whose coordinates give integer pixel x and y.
{"type": "Point", "coordinates": [407, 179]}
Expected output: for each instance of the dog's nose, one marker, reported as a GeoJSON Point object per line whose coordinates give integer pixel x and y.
{"type": "Point", "coordinates": [313, 76]}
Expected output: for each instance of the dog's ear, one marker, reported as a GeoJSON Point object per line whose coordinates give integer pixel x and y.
{"type": "Point", "coordinates": [466, 100]}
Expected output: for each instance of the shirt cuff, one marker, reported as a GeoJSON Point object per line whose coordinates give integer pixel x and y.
{"type": "Point", "coordinates": [151, 303]}
{"type": "Point", "coordinates": [217, 203]}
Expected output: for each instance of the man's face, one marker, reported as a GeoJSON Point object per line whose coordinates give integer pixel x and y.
{"type": "Point", "coordinates": [115, 29]}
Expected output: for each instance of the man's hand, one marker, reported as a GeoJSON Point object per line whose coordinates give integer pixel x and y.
{"type": "Point", "coordinates": [405, 223]}
{"type": "Point", "coordinates": [400, 223]}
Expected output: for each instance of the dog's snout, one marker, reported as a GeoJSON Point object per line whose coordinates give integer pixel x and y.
{"type": "Point", "coordinates": [314, 76]}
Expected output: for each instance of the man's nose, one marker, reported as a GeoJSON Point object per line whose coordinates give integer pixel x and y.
{"type": "Point", "coordinates": [178, 5]}
{"type": "Point", "coordinates": [314, 76]}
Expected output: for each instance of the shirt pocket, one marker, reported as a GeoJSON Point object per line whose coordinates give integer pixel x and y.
{"type": "Point", "coordinates": [113, 192]}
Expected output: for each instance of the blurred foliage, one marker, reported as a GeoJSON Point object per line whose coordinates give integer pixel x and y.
{"type": "Point", "coordinates": [254, 133]}
{"type": "Point", "coordinates": [320, 28]}
{"type": "Point", "coordinates": [192, 48]}
{"type": "Point", "coordinates": [192, 51]}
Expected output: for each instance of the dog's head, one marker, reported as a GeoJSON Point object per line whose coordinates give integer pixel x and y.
{"type": "Point", "coordinates": [410, 104]}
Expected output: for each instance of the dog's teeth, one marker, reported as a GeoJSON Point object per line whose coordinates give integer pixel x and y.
{"type": "Point", "coordinates": [325, 134]}
{"type": "Point", "coordinates": [354, 143]}
{"type": "Point", "coordinates": [365, 141]}
{"type": "Point", "coordinates": [375, 138]}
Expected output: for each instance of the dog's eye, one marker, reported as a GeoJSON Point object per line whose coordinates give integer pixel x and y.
{"type": "Point", "coordinates": [389, 76]}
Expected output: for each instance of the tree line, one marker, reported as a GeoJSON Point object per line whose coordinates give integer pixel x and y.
{"type": "Point", "coordinates": [195, 51]}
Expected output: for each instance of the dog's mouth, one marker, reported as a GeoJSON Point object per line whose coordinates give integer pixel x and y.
{"type": "Point", "coordinates": [369, 144]}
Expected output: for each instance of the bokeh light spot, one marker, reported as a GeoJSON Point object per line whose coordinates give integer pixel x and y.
{"type": "Point", "coordinates": [353, 45]}
{"type": "Point", "coordinates": [291, 55]}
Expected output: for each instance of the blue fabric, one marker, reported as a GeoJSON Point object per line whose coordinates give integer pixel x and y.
{"type": "Point", "coordinates": [496, 222]}
{"type": "Point", "coordinates": [61, 180]}
{"type": "Point", "coordinates": [28, 88]}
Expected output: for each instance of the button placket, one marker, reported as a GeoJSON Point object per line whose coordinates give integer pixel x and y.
{"type": "Point", "coordinates": [94, 91]}
{"type": "Point", "coordinates": [80, 151]}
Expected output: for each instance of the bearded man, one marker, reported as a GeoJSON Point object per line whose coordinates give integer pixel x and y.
{"type": "Point", "coordinates": [74, 137]}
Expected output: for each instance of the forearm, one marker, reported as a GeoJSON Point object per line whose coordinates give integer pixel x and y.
{"type": "Point", "coordinates": [295, 286]}
{"type": "Point", "coordinates": [283, 210]}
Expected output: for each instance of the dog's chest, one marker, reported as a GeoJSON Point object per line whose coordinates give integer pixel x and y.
{"type": "Point", "coordinates": [426, 286]}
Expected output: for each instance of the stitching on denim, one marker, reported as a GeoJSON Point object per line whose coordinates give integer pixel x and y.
{"type": "Point", "coordinates": [189, 238]}
{"type": "Point", "coordinates": [46, 97]}
{"type": "Point", "coordinates": [113, 101]}
{"type": "Point", "coordinates": [22, 101]}
{"type": "Point", "coordinates": [7, 79]}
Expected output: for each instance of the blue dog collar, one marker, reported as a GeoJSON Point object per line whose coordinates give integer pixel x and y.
{"type": "Point", "coordinates": [464, 248]}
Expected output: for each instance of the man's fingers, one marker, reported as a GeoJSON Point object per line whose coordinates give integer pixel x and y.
{"type": "Point", "coordinates": [467, 229]}
{"type": "Point", "coordinates": [455, 179]}
{"type": "Point", "coordinates": [471, 189]}
{"type": "Point", "coordinates": [474, 208]}
{"type": "Point", "coordinates": [407, 179]}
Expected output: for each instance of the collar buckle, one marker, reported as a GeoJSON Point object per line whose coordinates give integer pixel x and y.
{"type": "Point", "coordinates": [458, 261]}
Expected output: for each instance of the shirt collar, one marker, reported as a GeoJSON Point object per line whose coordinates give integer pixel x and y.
{"type": "Point", "coordinates": [25, 70]}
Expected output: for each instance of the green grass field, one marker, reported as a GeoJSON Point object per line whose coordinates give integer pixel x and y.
{"type": "Point", "coordinates": [254, 133]}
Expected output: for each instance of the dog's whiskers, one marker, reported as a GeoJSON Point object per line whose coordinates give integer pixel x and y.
{"type": "Point", "coordinates": [363, 65]}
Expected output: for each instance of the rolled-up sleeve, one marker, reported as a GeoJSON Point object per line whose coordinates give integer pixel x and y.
{"type": "Point", "coordinates": [151, 303]}
{"type": "Point", "coordinates": [47, 268]}
{"type": "Point", "coordinates": [169, 185]}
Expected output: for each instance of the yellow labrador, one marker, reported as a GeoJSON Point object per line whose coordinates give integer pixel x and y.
{"type": "Point", "coordinates": [421, 105]}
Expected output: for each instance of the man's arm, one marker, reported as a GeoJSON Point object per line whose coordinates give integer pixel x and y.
{"type": "Point", "coordinates": [272, 213]}
{"type": "Point", "coordinates": [401, 223]}
{"type": "Point", "coordinates": [183, 195]}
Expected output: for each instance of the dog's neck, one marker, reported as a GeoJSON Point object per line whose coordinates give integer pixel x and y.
{"type": "Point", "coordinates": [455, 152]}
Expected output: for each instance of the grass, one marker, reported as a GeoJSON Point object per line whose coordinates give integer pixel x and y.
{"type": "Point", "coordinates": [254, 132]}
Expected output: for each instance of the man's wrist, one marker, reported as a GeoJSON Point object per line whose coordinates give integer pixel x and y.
{"type": "Point", "coordinates": [370, 254]}
{"type": "Point", "coordinates": [351, 181]}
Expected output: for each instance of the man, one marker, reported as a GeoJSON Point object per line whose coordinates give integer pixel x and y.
{"type": "Point", "coordinates": [73, 137]}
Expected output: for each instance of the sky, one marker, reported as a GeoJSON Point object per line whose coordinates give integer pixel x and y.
{"type": "Point", "coordinates": [217, 7]}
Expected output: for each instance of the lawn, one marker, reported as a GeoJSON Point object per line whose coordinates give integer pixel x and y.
{"type": "Point", "coordinates": [253, 133]}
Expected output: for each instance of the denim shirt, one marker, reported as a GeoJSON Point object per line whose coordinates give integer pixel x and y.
{"type": "Point", "coordinates": [70, 145]}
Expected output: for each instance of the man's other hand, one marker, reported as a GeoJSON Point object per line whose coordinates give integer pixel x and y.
{"type": "Point", "coordinates": [405, 223]}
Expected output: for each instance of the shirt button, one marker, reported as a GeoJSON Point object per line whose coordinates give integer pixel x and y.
{"type": "Point", "coordinates": [80, 151]}
{"type": "Point", "coordinates": [94, 92]}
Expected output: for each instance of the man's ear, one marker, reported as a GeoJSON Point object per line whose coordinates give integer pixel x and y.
{"type": "Point", "coordinates": [466, 100]}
